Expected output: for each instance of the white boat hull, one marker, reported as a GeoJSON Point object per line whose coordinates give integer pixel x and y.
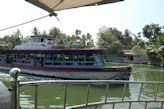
{"type": "Point", "coordinates": [112, 75]}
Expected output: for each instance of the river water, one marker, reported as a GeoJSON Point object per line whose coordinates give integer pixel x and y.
{"type": "Point", "coordinates": [52, 96]}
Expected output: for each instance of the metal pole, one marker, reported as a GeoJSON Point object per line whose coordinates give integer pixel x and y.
{"type": "Point", "coordinates": [14, 103]}
{"type": "Point", "coordinates": [88, 89]}
{"type": "Point", "coordinates": [139, 96]}
{"type": "Point", "coordinates": [36, 97]}
{"type": "Point", "coordinates": [106, 92]}
{"type": "Point", "coordinates": [65, 95]}
{"type": "Point", "coordinates": [124, 91]}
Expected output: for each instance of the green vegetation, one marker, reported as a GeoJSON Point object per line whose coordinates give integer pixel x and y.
{"type": "Point", "coordinates": [15, 39]}
{"type": "Point", "coordinates": [113, 40]}
{"type": "Point", "coordinates": [155, 44]}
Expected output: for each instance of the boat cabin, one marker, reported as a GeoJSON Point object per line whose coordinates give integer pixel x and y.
{"type": "Point", "coordinates": [42, 51]}
{"type": "Point", "coordinates": [38, 43]}
{"type": "Point", "coordinates": [81, 58]}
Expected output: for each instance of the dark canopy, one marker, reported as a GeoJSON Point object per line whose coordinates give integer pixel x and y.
{"type": "Point", "coordinates": [56, 5]}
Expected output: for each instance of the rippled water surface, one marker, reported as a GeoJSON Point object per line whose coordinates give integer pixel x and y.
{"type": "Point", "coordinates": [52, 96]}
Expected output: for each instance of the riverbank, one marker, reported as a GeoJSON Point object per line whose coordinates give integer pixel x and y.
{"type": "Point", "coordinates": [135, 62]}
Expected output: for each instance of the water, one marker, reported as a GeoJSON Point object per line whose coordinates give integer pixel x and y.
{"type": "Point", "coordinates": [52, 96]}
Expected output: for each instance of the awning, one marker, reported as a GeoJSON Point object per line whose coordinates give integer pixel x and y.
{"type": "Point", "coordinates": [56, 5]}
{"type": "Point", "coordinates": [129, 53]}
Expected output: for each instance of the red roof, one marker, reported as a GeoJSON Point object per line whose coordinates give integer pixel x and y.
{"type": "Point", "coordinates": [129, 53]}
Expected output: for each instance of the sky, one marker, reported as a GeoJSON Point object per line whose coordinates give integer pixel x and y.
{"type": "Point", "coordinates": [129, 14]}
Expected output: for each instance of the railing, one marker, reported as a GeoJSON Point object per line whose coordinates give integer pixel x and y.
{"type": "Point", "coordinates": [15, 85]}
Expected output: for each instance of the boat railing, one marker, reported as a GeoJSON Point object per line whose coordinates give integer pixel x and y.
{"type": "Point", "coordinates": [16, 84]}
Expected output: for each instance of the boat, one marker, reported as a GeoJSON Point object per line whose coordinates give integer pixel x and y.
{"type": "Point", "coordinates": [42, 56]}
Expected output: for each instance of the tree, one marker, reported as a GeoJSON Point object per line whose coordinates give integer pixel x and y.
{"type": "Point", "coordinates": [83, 41]}
{"type": "Point", "coordinates": [155, 49]}
{"type": "Point", "coordinates": [77, 32]}
{"type": "Point", "coordinates": [151, 53]}
{"type": "Point", "coordinates": [55, 32]}
{"type": "Point", "coordinates": [61, 38]}
{"type": "Point", "coordinates": [14, 39]}
{"type": "Point", "coordinates": [90, 42]}
{"type": "Point", "coordinates": [115, 48]}
{"type": "Point", "coordinates": [71, 40]}
{"type": "Point", "coordinates": [138, 51]}
{"type": "Point", "coordinates": [160, 52]}
{"type": "Point", "coordinates": [151, 32]}
{"type": "Point", "coordinates": [155, 52]}
{"type": "Point", "coordinates": [160, 39]}
{"type": "Point", "coordinates": [35, 31]}
{"type": "Point", "coordinates": [86, 41]}
{"type": "Point", "coordinates": [138, 41]}
{"type": "Point", "coordinates": [44, 33]}
{"type": "Point", "coordinates": [127, 40]}
{"type": "Point", "coordinates": [117, 33]}
{"type": "Point", "coordinates": [160, 48]}
{"type": "Point", "coordinates": [109, 41]}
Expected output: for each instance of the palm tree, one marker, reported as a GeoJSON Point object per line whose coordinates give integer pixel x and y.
{"type": "Point", "coordinates": [35, 31]}
{"type": "Point", "coordinates": [55, 32]}
{"type": "Point", "coordinates": [160, 52]}
{"type": "Point", "coordinates": [160, 49]}
{"type": "Point", "coordinates": [156, 50]}
{"type": "Point", "coordinates": [127, 40]}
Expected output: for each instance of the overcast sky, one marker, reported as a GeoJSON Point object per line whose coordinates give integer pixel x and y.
{"type": "Point", "coordinates": [129, 14]}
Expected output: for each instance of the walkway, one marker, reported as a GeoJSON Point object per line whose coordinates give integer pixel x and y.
{"type": "Point", "coordinates": [4, 97]}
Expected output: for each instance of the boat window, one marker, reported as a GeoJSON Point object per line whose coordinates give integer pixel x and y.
{"type": "Point", "coordinates": [22, 55]}
{"type": "Point", "coordinates": [48, 57]}
{"type": "Point", "coordinates": [39, 55]}
{"type": "Point", "coordinates": [99, 59]}
{"type": "Point", "coordinates": [50, 41]}
{"type": "Point", "coordinates": [31, 55]}
{"type": "Point", "coordinates": [26, 56]}
{"type": "Point", "coordinates": [38, 40]}
{"type": "Point", "coordinates": [79, 57]}
{"type": "Point", "coordinates": [57, 63]}
{"type": "Point", "coordinates": [89, 57]}
{"type": "Point", "coordinates": [68, 57]}
{"type": "Point", "coordinates": [90, 64]}
{"type": "Point", "coordinates": [16, 55]}
{"type": "Point", "coordinates": [2, 56]}
{"type": "Point", "coordinates": [42, 39]}
{"type": "Point", "coordinates": [58, 57]}
{"type": "Point", "coordinates": [48, 63]}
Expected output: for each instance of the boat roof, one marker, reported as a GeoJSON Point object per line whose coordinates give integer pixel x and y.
{"type": "Point", "coordinates": [57, 5]}
{"type": "Point", "coordinates": [55, 50]}
{"type": "Point", "coordinates": [43, 36]}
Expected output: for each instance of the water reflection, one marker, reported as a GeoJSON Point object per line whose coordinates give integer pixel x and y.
{"type": "Point", "coordinates": [52, 96]}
